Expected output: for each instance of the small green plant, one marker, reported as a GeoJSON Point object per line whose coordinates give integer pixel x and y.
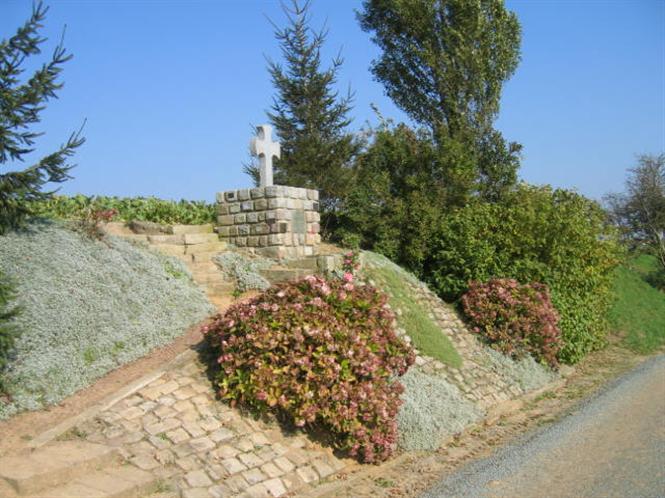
{"type": "Point", "coordinates": [319, 353]}
{"type": "Point", "coordinates": [382, 482]}
{"type": "Point", "coordinates": [171, 269]}
{"type": "Point", "coordinates": [89, 356]}
{"type": "Point", "coordinates": [8, 330]}
{"type": "Point", "coordinates": [515, 319]}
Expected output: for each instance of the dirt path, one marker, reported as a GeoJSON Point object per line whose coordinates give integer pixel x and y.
{"type": "Point", "coordinates": [613, 445]}
{"type": "Point", "coordinates": [18, 430]}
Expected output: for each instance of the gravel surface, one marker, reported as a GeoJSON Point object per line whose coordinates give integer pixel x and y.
{"type": "Point", "coordinates": [612, 445]}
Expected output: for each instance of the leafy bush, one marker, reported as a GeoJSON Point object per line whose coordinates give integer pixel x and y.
{"type": "Point", "coordinates": [317, 352]}
{"type": "Point", "coordinates": [8, 330]}
{"type": "Point", "coordinates": [87, 307]}
{"type": "Point", "coordinates": [537, 234]}
{"type": "Point", "coordinates": [515, 319]}
{"type": "Point", "coordinates": [127, 209]}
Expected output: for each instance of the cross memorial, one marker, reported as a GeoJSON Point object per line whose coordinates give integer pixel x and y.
{"type": "Point", "coordinates": [263, 147]}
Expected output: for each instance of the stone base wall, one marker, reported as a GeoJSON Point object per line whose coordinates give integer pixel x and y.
{"type": "Point", "coordinates": [275, 222]}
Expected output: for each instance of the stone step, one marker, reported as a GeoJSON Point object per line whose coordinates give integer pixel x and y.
{"type": "Point", "coordinates": [135, 237]}
{"type": "Point", "coordinates": [277, 274]}
{"type": "Point", "coordinates": [166, 239]}
{"type": "Point", "coordinates": [203, 265]}
{"type": "Point", "coordinates": [54, 465]}
{"type": "Point", "coordinates": [209, 277]}
{"type": "Point", "coordinates": [207, 247]}
{"type": "Point", "coordinates": [189, 229]}
{"type": "Point", "coordinates": [205, 255]}
{"type": "Point", "coordinates": [200, 238]}
{"type": "Point", "coordinates": [123, 481]}
{"type": "Point", "coordinates": [219, 289]}
{"type": "Point", "coordinates": [170, 249]}
{"type": "Point", "coordinates": [308, 263]}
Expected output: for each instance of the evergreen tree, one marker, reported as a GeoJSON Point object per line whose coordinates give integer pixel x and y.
{"type": "Point", "coordinates": [21, 102]}
{"type": "Point", "coordinates": [8, 332]}
{"type": "Point", "coordinates": [309, 118]}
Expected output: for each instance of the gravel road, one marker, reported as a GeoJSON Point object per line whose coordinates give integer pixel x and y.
{"type": "Point", "coordinates": [612, 445]}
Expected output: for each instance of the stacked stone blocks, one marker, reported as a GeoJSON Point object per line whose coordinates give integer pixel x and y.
{"type": "Point", "coordinates": [274, 221]}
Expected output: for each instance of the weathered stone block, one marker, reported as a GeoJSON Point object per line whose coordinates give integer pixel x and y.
{"type": "Point", "coordinates": [278, 202]}
{"type": "Point", "coordinates": [252, 217]}
{"type": "Point", "coordinates": [274, 191]}
{"type": "Point", "coordinates": [275, 239]}
{"type": "Point", "coordinates": [244, 229]}
{"type": "Point", "coordinates": [240, 218]}
{"type": "Point", "coordinates": [222, 209]}
{"type": "Point", "coordinates": [261, 204]}
{"type": "Point", "coordinates": [234, 208]}
{"type": "Point", "coordinates": [247, 206]}
{"type": "Point", "coordinates": [261, 229]}
{"type": "Point", "coordinates": [313, 195]}
{"type": "Point", "coordinates": [312, 217]}
{"type": "Point", "coordinates": [243, 194]}
{"type": "Point", "coordinates": [257, 193]}
{"type": "Point", "coordinates": [225, 220]}
{"type": "Point", "coordinates": [253, 241]}
{"type": "Point", "coordinates": [230, 196]}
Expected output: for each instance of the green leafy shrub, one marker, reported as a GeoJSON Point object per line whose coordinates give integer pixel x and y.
{"type": "Point", "coordinates": [127, 209]}
{"type": "Point", "coordinates": [317, 352]}
{"type": "Point", "coordinates": [8, 330]}
{"type": "Point", "coordinates": [537, 234]}
{"type": "Point", "coordinates": [515, 319]}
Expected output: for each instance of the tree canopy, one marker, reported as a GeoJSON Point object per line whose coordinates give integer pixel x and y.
{"type": "Point", "coordinates": [309, 116]}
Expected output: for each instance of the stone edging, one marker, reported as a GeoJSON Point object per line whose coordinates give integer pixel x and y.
{"type": "Point", "coordinates": [67, 424]}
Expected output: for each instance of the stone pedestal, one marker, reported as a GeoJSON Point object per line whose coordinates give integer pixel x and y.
{"type": "Point", "coordinates": [275, 221]}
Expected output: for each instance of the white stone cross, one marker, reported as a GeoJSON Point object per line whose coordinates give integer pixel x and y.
{"type": "Point", "coordinates": [263, 147]}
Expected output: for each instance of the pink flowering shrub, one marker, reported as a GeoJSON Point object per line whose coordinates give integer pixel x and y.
{"type": "Point", "coordinates": [516, 319]}
{"type": "Point", "coordinates": [321, 353]}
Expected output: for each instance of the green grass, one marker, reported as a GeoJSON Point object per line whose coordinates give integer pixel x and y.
{"type": "Point", "coordinates": [639, 310]}
{"type": "Point", "coordinates": [424, 332]}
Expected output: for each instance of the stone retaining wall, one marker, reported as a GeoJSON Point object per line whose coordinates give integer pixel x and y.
{"type": "Point", "coordinates": [275, 221]}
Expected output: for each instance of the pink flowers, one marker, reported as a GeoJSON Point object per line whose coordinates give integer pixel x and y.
{"type": "Point", "coordinates": [319, 351]}
{"type": "Point", "coordinates": [348, 277]}
{"type": "Point", "coordinates": [517, 319]}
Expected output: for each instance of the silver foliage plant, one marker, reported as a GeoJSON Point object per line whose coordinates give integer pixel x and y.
{"type": "Point", "coordinates": [89, 307]}
{"type": "Point", "coordinates": [433, 409]}
{"type": "Point", "coordinates": [244, 271]}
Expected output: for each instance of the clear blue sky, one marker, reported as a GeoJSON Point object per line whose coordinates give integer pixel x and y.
{"type": "Point", "coordinates": [170, 88]}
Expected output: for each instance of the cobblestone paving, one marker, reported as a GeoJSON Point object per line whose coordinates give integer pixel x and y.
{"type": "Point", "coordinates": [176, 429]}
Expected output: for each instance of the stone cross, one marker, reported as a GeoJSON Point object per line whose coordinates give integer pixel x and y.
{"type": "Point", "coordinates": [263, 147]}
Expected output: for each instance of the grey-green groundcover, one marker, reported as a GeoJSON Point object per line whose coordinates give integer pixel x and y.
{"type": "Point", "coordinates": [89, 306]}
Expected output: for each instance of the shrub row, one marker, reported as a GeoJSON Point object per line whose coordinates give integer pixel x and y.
{"type": "Point", "coordinates": [555, 237]}
{"type": "Point", "coordinates": [127, 209]}
{"type": "Point", "coordinates": [317, 353]}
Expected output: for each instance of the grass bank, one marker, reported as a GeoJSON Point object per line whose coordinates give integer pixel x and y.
{"type": "Point", "coordinates": [638, 313]}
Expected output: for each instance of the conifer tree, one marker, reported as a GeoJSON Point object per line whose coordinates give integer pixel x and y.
{"type": "Point", "coordinates": [309, 117]}
{"type": "Point", "coordinates": [21, 102]}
